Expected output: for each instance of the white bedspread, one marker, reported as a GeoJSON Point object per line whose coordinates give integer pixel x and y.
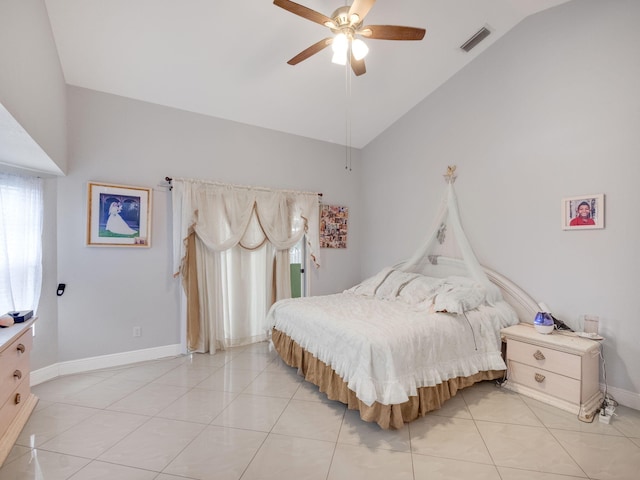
{"type": "Point", "coordinates": [386, 349]}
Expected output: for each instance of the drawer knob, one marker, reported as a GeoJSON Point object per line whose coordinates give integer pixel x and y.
{"type": "Point", "coordinates": [539, 378]}
{"type": "Point", "coordinates": [18, 398]}
{"type": "Point", "coordinates": [17, 374]}
{"type": "Point", "coordinates": [538, 355]}
{"type": "Point", "coordinates": [21, 348]}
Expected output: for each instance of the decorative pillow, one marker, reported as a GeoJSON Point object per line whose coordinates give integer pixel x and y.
{"type": "Point", "coordinates": [458, 295]}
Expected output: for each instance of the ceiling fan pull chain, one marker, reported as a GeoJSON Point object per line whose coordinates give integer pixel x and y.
{"type": "Point", "coordinates": [347, 72]}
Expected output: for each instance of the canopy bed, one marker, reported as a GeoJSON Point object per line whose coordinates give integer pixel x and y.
{"type": "Point", "coordinates": [404, 341]}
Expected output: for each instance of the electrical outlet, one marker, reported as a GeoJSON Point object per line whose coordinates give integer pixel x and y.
{"type": "Point", "coordinates": [137, 331]}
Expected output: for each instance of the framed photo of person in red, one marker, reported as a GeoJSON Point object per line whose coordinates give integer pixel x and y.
{"type": "Point", "coordinates": [583, 212]}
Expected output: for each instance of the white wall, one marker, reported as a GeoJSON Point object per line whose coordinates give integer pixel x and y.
{"type": "Point", "coordinates": [552, 110]}
{"type": "Point", "coordinates": [32, 89]}
{"type": "Point", "coordinates": [32, 86]}
{"type": "Point", "coordinates": [121, 141]}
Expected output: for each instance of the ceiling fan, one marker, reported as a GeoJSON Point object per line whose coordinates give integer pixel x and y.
{"type": "Point", "coordinates": [347, 25]}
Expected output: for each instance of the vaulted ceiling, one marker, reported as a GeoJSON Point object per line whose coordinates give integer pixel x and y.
{"type": "Point", "coordinates": [227, 59]}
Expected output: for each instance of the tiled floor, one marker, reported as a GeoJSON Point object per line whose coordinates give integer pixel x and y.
{"type": "Point", "coordinates": [243, 414]}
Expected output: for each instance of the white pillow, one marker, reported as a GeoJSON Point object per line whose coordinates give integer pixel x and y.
{"type": "Point", "coordinates": [457, 295]}
{"type": "Point", "coordinates": [368, 287]}
{"type": "Point", "coordinates": [420, 289]}
{"type": "Point", "coordinates": [393, 283]}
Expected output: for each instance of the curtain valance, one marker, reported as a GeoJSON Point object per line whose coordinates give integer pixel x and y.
{"type": "Point", "coordinates": [224, 215]}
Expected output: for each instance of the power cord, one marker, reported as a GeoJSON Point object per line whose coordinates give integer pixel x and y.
{"type": "Point", "coordinates": [609, 404]}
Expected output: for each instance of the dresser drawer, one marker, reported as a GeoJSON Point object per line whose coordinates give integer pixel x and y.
{"type": "Point", "coordinates": [562, 363]}
{"type": "Point", "coordinates": [14, 403]}
{"type": "Point", "coordinates": [14, 364]}
{"type": "Point", "coordinates": [545, 381]}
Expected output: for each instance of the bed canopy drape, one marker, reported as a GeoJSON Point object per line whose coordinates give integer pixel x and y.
{"type": "Point", "coordinates": [447, 251]}
{"type": "Point", "coordinates": [215, 228]}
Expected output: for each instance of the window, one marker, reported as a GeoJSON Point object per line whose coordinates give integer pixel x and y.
{"type": "Point", "coordinates": [21, 208]}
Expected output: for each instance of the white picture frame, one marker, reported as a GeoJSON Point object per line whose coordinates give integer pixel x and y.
{"type": "Point", "coordinates": [583, 212]}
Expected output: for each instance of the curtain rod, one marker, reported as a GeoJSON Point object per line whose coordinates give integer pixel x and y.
{"type": "Point", "coordinates": [262, 189]}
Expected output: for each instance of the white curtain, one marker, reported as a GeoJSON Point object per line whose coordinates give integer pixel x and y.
{"type": "Point", "coordinates": [21, 207]}
{"type": "Point", "coordinates": [243, 236]}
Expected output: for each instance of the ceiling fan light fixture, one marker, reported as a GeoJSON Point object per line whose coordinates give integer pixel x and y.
{"type": "Point", "coordinates": [359, 49]}
{"type": "Point", "coordinates": [339, 58]}
{"type": "Point", "coordinates": [340, 47]}
{"type": "Point", "coordinates": [340, 44]}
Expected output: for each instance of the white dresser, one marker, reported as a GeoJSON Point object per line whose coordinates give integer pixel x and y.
{"type": "Point", "coordinates": [16, 400]}
{"type": "Point", "coordinates": [559, 369]}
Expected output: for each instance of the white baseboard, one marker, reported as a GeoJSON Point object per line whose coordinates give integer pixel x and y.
{"type": "Point", "coordinates": [105, 361]}
{"type": "Point", "coordinates": [623, 397]}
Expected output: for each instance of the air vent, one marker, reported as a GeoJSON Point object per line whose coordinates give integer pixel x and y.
{"type": "Point", "coordinates": [476, 39]}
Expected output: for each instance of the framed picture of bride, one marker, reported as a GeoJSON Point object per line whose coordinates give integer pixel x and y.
{"type": "Point", "coordinates": [118, 216]}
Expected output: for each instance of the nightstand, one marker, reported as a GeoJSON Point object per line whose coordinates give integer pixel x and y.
{"type": "Point", "coordinates": [560, 369]}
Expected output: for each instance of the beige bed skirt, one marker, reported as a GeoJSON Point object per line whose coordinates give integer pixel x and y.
{"type": "Point", "coordinates": [387, 416]}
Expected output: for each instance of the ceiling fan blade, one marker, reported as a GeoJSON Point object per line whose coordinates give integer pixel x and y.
{"type": "Point", "coordinates": [360, 8]}
{"type": "Point", "coordinates": [358, 66]}
{"type": "Point", "coordinates": [304, 12]}
{"type": "Point", "coordinates": [312, 50]}
{"type": "Point", "coordinates": [392, 32]}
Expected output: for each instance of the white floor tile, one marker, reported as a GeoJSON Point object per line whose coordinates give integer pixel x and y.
{"type": "Point", "coordinates": [15, 452]}
{"type": "Point", "coordinates": [153, 445]}
{"type": "Point", "coordinates": [627, 420]}
{"type": "Point", "coordinates": [527, 447]}
{"type": "Point", "coordinates": [287, 458]}
{"type": "Point", "coordinates": [454, 407]}
{"type": "Point", "coordinates": [109, 471]}
{"type": "Point", "coordinates": [41, 465]}
{"type": "Point", "coordinates": [218, 453]}
{"type": "Point", "coordinates": [602, 457]}
{"type": "Point", "coordinates": [198, 405]}
{"type": "Point", "coordinates": [252, 412]}
{"type": "Point", "coordinates": [105, 393]}
{"type": "Point", "coordinates": [228, 379]}
{"type": "Point", "coordinates": [59, 389]}
{"type": "Point", "coordinates": [310, 393]}
{"type": "Point", "coordinates": [436, 468]}
{"type": "Point", "coordinates": [150, 399]}
{"type": "Point", "coordinates": [448, 437]}
{"type": "Point", "coordinates": [52, 421]}
{"type": "Point", "coordinates": [274, 384]}
{"type": "Point", "coordinates": [490, 403]}
{"type": "Point", "coordinates": [93, 436]}
{"type": "Point", "coordinates": [363, 463]}
{"type": "Point", "coordinates": [148, 371]}
{"type": "Point", "coordinates": [516, 474]}
{"type": "Point", "coordinates": [251, 361]}
{"type": "Point", "coordinates": [185, 375]}
{"type": "Point", "coordinates": [366, 434]}
{"type": "Point", "coordinates": [552, 417]}
{"type": "Point", "coordinates": [315, 420]}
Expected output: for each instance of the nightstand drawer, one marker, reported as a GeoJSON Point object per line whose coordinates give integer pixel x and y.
{"type": "Point", "coordinates": [545, 381]}
{"type": "Point", "coordinates": [555, 361]}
